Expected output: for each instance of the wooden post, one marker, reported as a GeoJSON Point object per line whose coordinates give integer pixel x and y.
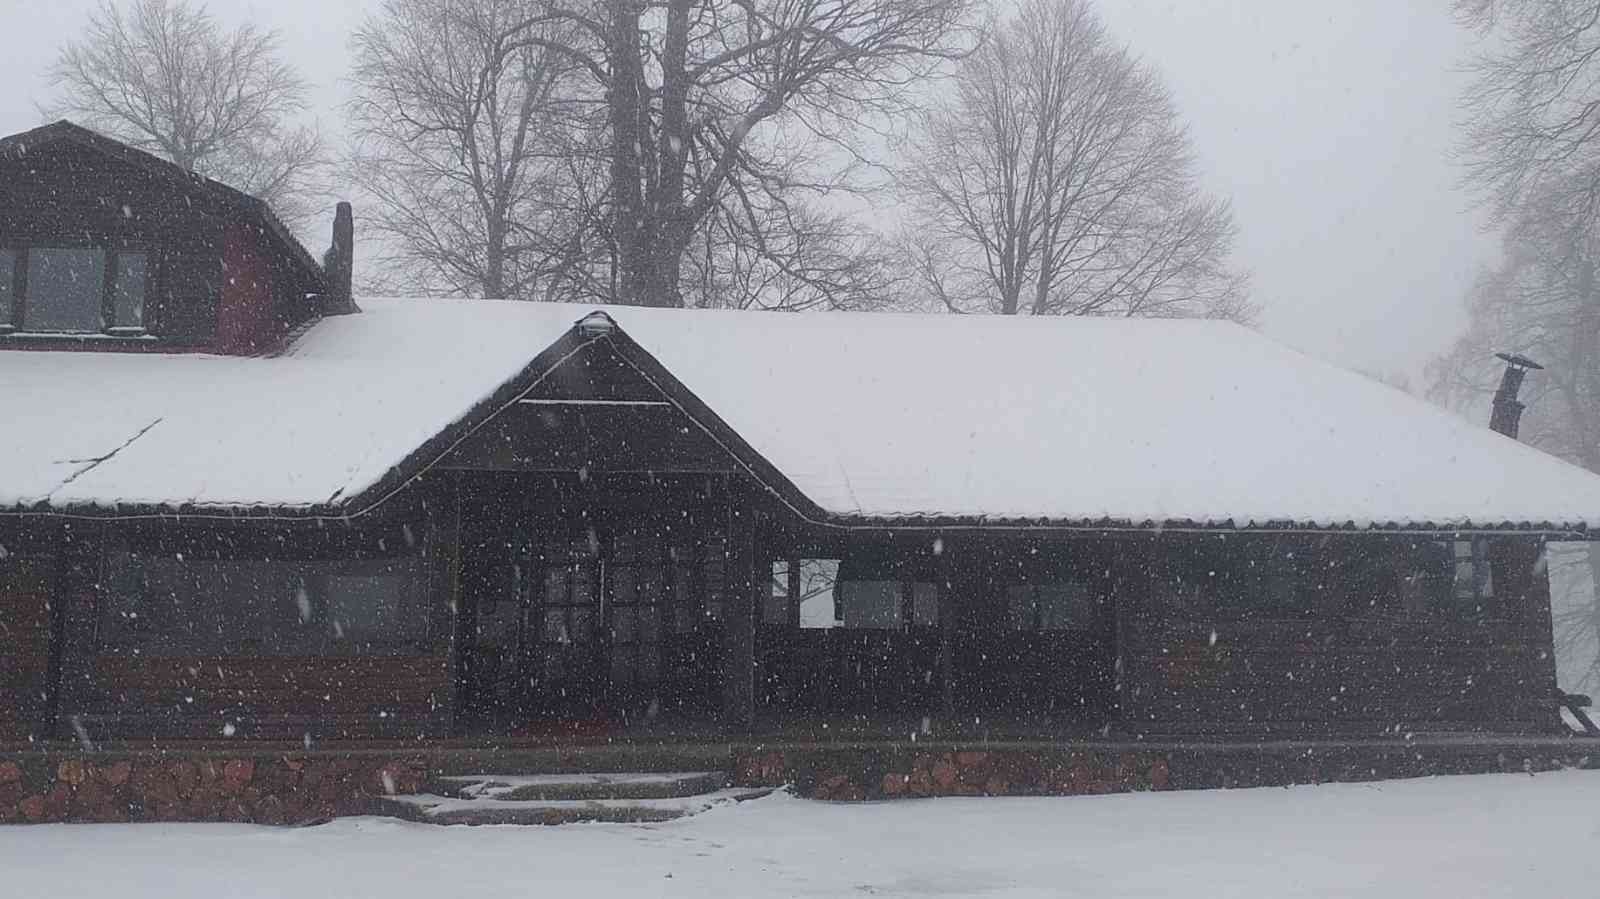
{"type": "Point", "coordinates": [947, 632]}
{"type": "Point", "coordinates": [740, 615]}
{"type": "Point", "coordinates": [794, 593]}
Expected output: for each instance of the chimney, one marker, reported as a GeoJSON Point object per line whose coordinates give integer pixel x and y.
{"type": "Point", "coordinates": [338, 264]}
{"type": "Point", "coordinates": [1507, 414]}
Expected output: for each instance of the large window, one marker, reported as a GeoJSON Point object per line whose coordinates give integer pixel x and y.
{"type": "Point", "coordinates": [164, 600]}
{"type": "Point", "coordinates": [73, 290]}
{"type": "Point", "coordinates": [1066, 606]}
{"type": "Point", "coordinates": [887, 605]}
{"type": "Point", "coordinates": [1293, 576]}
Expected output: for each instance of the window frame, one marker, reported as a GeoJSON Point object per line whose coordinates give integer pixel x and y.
{"type": "Point", "coordinates": [15, 326]}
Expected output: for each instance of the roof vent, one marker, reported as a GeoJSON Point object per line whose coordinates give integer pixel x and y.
{"type": "Point", "coordinates": [1507, 413]}
{"type": "Point", "coordinates": [595, 325]}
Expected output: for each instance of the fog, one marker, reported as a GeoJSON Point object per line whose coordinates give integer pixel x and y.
{"type": "Point", "coordinates": [1328, 125]}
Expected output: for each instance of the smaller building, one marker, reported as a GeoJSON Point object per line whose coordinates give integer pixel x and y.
{"type": "Point", "coordinates": [260, 512]}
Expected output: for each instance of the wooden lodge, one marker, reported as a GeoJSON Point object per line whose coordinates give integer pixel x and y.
{"type": "Point", "coordinates": [233, 505]}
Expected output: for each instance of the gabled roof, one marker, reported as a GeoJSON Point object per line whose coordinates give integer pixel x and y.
{"type": "Point", "coordinates": [850, 419]}
{"type": "Point", "coordinates": [214, 193]}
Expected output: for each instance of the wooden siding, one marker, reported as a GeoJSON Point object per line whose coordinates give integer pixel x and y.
{"type": "Point", "coordinates": [1331, 673]}
{"type": "Point", "coordinates": [400, 690]}
{"type": "Point", "coordinates": [592, 413]}
{"type": "Point", "coordinates": [68, 194]}
{"type": "Point", "coordinates": [25, 582]}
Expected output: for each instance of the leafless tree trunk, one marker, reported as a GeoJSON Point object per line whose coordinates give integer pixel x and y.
{"type": "Point", "coordinates": [161, 75]}
{"type": "Point", "coordinates": [476, 154]}
{"type": "Point", "coordinates": [716, 112]}
{"type": "Point", "coordinates": [1057, 179]}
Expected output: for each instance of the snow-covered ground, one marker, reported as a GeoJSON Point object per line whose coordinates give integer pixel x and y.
{"type": "Point", "coordinates": [1493, 835]}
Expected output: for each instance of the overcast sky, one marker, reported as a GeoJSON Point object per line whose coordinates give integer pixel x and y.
{"type": "Point", "coordinates": [1328, 125]}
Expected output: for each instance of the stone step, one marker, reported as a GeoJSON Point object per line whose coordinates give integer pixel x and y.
{"type": "Point", "coordinates": [578, 787]}
{"type": "Point", "coordinates": [434, 809]}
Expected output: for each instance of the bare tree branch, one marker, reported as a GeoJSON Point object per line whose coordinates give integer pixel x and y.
{"type": "Point", "coordinates": [164, 77]}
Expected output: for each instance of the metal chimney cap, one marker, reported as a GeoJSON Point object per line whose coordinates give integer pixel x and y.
{"type": "Point", "coordinates": [1519, 360]}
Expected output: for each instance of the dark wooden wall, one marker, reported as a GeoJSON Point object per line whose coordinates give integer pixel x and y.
{"type": "Point", "coordinates": [217, 281]}
{"type": "Point", "coordinates": [114, 694]}
{"type": "Point", "coordinates": [1325, 670]}
{"type": "Point", "coordinates": [560, 427]}
{"type": "Point", "coordinates": [27, 575]}
{"type": "Point", "coordinates": [70, 192]}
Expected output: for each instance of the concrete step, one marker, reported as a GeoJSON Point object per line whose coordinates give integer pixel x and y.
{"type": "Point", "coordinates": [578, 787]}
{"type": "Point", "coordinates": [435, 809]}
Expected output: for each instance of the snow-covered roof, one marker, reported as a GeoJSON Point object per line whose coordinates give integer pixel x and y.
{"type": "Point", "coordinates": [867, 416]}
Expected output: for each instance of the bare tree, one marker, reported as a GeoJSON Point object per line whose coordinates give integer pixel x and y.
{"type": "Point", "coordinates": [1533, 108]}
{"type": "Point", "coordinates": [715, 111]}
{"type": "Point", "coordinates": [164, 77]}
{"type": "Point", "coordinates": [476, 146]}
{"type": "Point", "coordinates": [1057, 179]}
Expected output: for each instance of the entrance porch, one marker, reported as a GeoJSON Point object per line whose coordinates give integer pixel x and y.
{"type": "Point", "coordinates": [621, 606]}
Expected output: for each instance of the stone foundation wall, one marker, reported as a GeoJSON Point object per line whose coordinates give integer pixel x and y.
{"type": "Point", "coordinates": [288, 787]}
{"type": "Point", "coordinates": [894, 772]}
{"type": "Point", "coordinates": [283, 789]}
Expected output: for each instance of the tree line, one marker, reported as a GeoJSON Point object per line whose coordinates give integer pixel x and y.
{"type": "Point", "coordinates": [774, 154]}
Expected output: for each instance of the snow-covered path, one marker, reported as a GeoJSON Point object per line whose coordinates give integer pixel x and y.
{"type": "Point", "coordinates": [1497, 835]}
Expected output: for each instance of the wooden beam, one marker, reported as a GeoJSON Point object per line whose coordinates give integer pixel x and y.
{"type": "Point", "coordinates": [741, 612]}
{"type": "Point", "coordinates": [794, 593]}
{"type": "Point", "coordinates": [947, 633]}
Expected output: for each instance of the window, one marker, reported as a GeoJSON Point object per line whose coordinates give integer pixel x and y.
{"type": "Point", "coordinates": [887, 605]}
{"type": "Point", "coordinates": [1295, 577]}
{"type": "Point", "coordinates": [160, 601]}
{"type": "Point", "coordinates": [812, 603]}
{"type": "Point", "coordinates": [1472, 579]}
{"type": "Point", "coordinates": [66, 290]}
{"type": "Point", "coordinates": [73, 290]}
{"type": "Point", "coordinates": [127, 291]}
{"type": "Point", "coordinates": [1051, 607]}
{"type": "Point", "coordinates": [370, 601]}
{"type": "Point", "coordinates": [8, 286]}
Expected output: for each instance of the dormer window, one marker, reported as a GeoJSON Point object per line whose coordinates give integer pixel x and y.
{"type": "Point", "coordinates": [73, 290]}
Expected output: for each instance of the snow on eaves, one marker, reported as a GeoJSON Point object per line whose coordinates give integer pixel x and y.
{"type": "Point", "coordinates": [870, 417]}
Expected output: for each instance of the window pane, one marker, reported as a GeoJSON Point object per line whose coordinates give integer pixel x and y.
{"type": "Point", "coordinates": [870, 604]}
{"type": "Point", "coordinates": [8, 281]}
{"type": "Point", "coordinates": [924, 604]}
{"type": "Point", "coordinates": [128, 291]}
{"type": "Point", "coordinates": [373, 604]}
{"type": "Point", "coordinates": [1024, 610]}
{"type": "Point", "coordinates": [65, 290]}
{"type": "Point", "coordinates": [775, 600]}
{"type": "Point", "coordinates": [171, 604]}
{"type": "Point", "coordinates": [1065, 607]}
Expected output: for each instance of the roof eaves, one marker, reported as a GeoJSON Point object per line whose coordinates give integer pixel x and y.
{"type": "Point", "coordinates": [998, 523]}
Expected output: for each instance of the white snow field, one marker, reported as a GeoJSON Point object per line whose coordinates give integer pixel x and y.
{"type": "Point", "coordinates": [1489, 835]}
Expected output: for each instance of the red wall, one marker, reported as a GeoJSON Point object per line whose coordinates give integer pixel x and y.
{"type": "Point", "coordinates": [246, 320]}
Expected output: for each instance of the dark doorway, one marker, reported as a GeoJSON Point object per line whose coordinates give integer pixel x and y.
{"type": "Point", "coordinates": [594, 610]}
